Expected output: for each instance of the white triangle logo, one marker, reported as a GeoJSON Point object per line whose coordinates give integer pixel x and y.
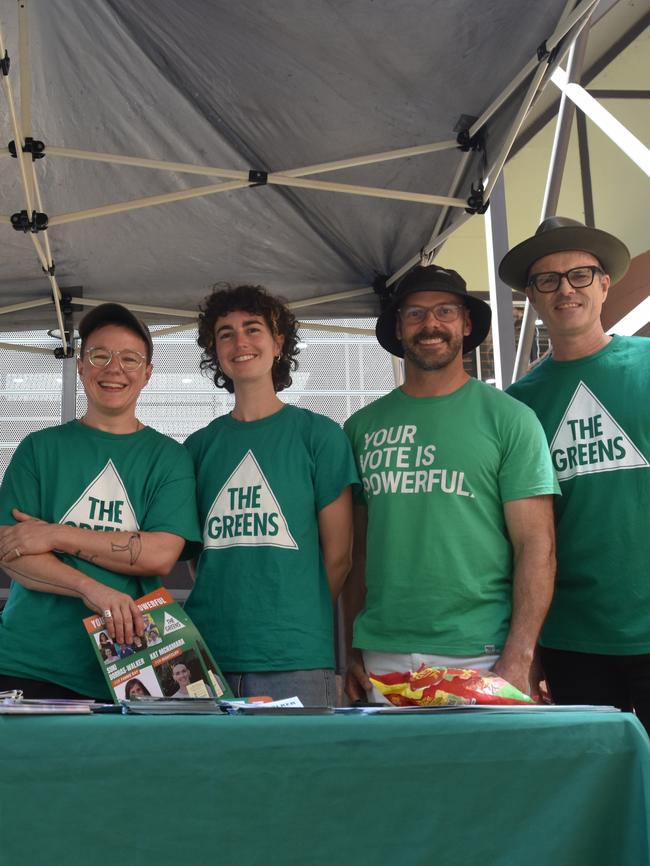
{"type": "Point", "coordinates": [104, 504]}
{"type": "Point", "coordinates": [588, 440]}
{"type": "Point", "coordinates": [246, 512]}
{"type": "Point", "coordinates": [171, 624]}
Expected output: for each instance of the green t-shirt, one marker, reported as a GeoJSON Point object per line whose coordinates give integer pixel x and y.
{"type": "Point", "coordinates": [77, 475]}
{"type": "Point", "coordinates": [261, 599]}
{"type": "Point", "coordinates": [436, 472]}
{"type": "Point", "coordinates": [596, 414]}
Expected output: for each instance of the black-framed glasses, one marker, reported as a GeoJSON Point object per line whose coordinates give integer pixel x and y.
{"type": "Point", "coordinates": [578, 278]}
{"type": "Point", "coordinates": [444, 312]}
{"type": "Point", "coordinates": [129, 359]}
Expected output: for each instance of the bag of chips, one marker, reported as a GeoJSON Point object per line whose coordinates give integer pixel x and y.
{"type": "Point", "coordinates": [440, 687]}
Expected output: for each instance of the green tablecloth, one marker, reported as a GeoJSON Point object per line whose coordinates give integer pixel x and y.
{"type": "Point", "coordinates": [569, 789]}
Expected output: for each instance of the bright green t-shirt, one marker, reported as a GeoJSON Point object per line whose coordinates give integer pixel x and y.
{"type": "Point", "coordinates": [436, 472]}
{"type": "Point", "coordinates": [77, 475]}
{"type": "Point", "coordinates": [261, 598]}
{"type": "Point", "coordinates": [596, 414]}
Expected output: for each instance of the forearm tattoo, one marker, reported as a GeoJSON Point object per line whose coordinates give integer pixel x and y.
{"type": "Point", "coordinates": [133, 546]}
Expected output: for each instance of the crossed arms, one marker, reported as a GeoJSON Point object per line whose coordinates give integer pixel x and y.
{"type": "Point", "coordinates": [27, 555]}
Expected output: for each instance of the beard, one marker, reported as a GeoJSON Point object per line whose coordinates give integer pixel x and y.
{"type": "Point", "coordinates": [432, 358]}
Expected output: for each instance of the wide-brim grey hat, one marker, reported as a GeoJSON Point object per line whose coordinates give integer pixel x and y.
{"type": "Point", "coordinates": [432, 279]}
{"type": "Point", "coordinates": [115, 314]}
{"type": "Point", "coordinates": [558, 234]}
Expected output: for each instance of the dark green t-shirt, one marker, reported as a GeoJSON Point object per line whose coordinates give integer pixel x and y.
{"type": "Point", "coordinates": [596, 414]}
{"type": "Point", "coordinates": [261, 599]}
{"type": "Point", "coordinates": [436, 473]}
{"type": "Point", "coordinates": [78, 475]}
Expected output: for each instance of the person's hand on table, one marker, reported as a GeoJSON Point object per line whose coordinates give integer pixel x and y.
{"type": "Point", "coordinates": [121, 614]}
{"type": "Point", "coordinates": [357, 684]}
{"type": "Point", "coordinates": [520, 673]}
{"type": "Point", "coordinates": [27, 537]}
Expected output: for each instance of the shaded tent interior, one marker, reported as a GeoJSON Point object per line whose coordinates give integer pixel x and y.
{"type": "Point", "coordinates": [278, 89]}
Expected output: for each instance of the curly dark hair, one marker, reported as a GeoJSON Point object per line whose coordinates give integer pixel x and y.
{"type": "Point", "coordinates": [256, 300]}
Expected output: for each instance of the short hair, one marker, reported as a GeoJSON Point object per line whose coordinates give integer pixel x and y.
{"type": "Point", "coordinates": [114, 314]}
{"type": "Point", "coordinates": [255, 300]}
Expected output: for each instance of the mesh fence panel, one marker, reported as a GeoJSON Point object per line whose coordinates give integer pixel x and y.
{"type": "Point", "coordinates": [338, 373]}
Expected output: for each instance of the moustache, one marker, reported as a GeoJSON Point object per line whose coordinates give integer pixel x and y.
{"type": "Point", "coordinates": [430, 335]}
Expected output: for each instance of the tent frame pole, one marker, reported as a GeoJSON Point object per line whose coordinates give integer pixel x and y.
{"type": "Point", "coordinates": [503, 326]}
{"type": "Point", "coordinates": [69, 388]}
{"type": "Point", "coordinates": [552, 192]}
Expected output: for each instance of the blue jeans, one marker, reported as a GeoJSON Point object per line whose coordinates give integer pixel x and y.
{"type": "Point", "coordinates": [315, 688]}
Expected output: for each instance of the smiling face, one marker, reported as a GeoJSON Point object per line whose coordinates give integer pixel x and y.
{"type": "Point", "coordinates": [110, 390]}
{"type": "Point", "coordinates": [181, 675]}
{"type": "Point", "coordinates": [432, 345]}
{"type": "Point", "coordinates": [568, 313]}
{"type": "Point", "coordinates": [246, 348]}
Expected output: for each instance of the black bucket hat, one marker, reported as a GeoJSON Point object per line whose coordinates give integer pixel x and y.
{"type": "Point", "coordinates": [115, 314]}
{"type": "Point", "coordinates": [432, 279]}
{"type": "Point", "coordinates": [557, 234]}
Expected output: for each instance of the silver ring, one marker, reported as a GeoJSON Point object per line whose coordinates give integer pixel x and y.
{"type": "Point", "coordinates": [108, 614]}
{"type": "Point", "coordinates": [17, 552]}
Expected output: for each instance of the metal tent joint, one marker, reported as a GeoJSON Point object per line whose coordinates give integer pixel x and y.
{"type": "Point", "coordinates": [476, 202]}
{"type": "Point", "coordinates": [257, 177]}
{"type": "Point", "coordinates": [62, 354]}
{"type": "Point", "coordinates": [544, 54]}
{"type": "Point", "coordinates": [382, 290]}
{"type": "Point", "coordinates": [467, 142]}
{"type": "Point", "coordinates": [32, 145]}
{"type": "Point", "coordinates": [67, 308]}
{"type": "Point", "coordinates": [51, 269]}
{"type": "Point", "coordinates": [22, 222]}
{"type": "Point", "coordinates": [5, 63]}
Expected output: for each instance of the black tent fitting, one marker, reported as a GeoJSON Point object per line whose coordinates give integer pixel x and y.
{"type": "Point", "coordinates": [51, 270]}
{"type": "Point", "coordinates": [257, 177]}
{"type": "Point", "coordinates": [384, 292]}
{"type": "Point", "coordinates": [22, 223]}
{"type": "Point", "coordinates": [62, 355]}
{"type": "Point", "coordinates": [475, 202]}
{"type": "Point", "coordinates": [544, 54]}
{"type": "Point", "coordinates": [466, 142]}
{"type": "Point", "coordinates": [32, 145]}
{"type": "Point", "coordinates": [5, 63]}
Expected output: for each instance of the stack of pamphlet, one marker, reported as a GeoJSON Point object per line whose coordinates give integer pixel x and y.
{"type": "Point", "coordinates": [173, 707]}
{"type": "Point", "coordinates": [13, 704]}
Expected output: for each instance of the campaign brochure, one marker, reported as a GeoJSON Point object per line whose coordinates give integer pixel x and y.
{"type": "Point", "coordinates": [170, 660]}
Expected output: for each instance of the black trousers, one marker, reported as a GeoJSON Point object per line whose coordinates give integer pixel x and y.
{"type": "Point", "coordinates": [37, 688]}
{"type": "Point", "coordinates": [590, 678]}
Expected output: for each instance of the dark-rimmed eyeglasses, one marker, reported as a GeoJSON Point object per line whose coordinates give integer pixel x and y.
{"type": "Point", "coordinates": [578, 278]}
{"type": "Point", "coordinates": [444, 313]}
{"type": "Point", "coordinates": [129, 359]}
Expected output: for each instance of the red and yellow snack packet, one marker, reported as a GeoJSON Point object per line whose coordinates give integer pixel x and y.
{"type": "Point", "coordinates": [431, 687]}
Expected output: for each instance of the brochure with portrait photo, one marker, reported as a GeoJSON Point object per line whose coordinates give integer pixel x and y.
{"type": "Point", "coordinates": [170, 660]}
